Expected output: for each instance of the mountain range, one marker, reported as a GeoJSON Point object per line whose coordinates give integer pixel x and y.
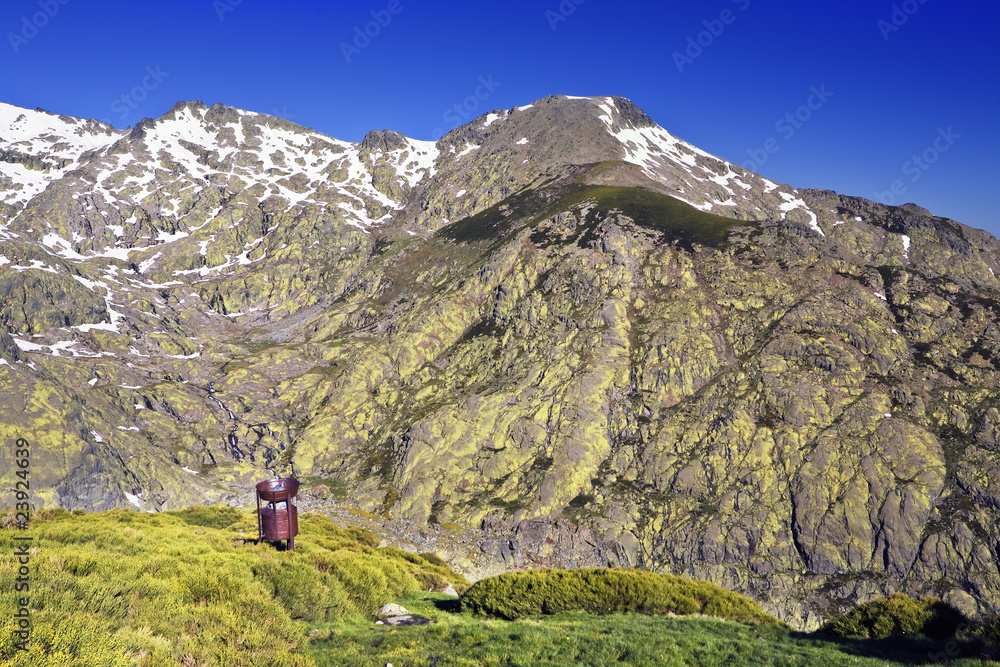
{"type": "Point", "coordinates": [556, 315]}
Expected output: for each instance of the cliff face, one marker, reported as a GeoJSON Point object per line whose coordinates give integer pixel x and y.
{"type": "Point", "coordinates": [558, 321]}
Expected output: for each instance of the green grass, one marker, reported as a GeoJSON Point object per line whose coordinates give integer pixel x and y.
{"type": "Point", "coordinates": [672, 219]}
{"type": "Point", "coordinates": [573, 638]}
{"type": "Point", "coordinates": [191, 587]}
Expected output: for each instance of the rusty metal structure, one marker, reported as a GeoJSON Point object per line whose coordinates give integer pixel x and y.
{"type": "Point", "coordinates": [275, 523]}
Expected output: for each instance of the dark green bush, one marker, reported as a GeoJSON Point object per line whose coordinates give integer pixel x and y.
{"type": "Point", "coordinates": [898, 615]}
{"type": "Point", "coordinates": [987, 632]}
{"type": "Point", "coordinates": [604, 591]}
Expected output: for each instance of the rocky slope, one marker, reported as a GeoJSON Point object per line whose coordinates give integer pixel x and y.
{"type": "Point", "coordinates": [559, 323]}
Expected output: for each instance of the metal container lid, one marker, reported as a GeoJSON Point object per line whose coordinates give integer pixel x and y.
{"type": "Point", "coordinates": [274, 490]}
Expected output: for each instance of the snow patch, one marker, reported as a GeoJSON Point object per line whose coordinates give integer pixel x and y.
{"type": "Point", "coordinates": [89, 284]}
{"type": "Point", "coordinates": [164, 237]}
{"type": "Point", "coordinates": [28, 346]}
{"type": "Point", "coordinates": [791, 203]}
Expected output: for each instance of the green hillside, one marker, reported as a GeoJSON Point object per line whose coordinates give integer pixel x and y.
{"type": "Point", "coordinates": [191, 588]}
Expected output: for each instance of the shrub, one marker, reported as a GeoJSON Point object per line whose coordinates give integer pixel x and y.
{"type": "Point", "coordinates": [987, 632]}
{"type": "Point", "coordinates": [433, 559]}
{"type": "Point", "coordinates": [602, 591]}
{"type": "Point", "coordinates": [897, 615]}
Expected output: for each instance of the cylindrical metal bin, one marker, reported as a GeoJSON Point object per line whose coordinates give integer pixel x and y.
{"type": "Point", "coordinates": [275, 522]}
{"type": "Point", "coordinates": [278, 519]}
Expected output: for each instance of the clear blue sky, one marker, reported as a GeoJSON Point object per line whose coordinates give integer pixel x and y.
{"type": "Point", "coordinates": [895, 87]}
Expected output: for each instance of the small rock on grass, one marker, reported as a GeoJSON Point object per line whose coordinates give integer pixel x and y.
{"type": "Point", "coordinates": [391, 609]}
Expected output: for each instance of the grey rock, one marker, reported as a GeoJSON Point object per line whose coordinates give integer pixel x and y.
{"type": "Point", "coordinates": [392, 609]}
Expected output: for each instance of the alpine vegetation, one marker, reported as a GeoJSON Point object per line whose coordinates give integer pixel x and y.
{"type": "Point", "coordinates": [559, 331]}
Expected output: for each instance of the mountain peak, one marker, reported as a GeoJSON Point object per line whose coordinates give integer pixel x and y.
{"type": "Point", "coordinates": [511, 148]}
{"type": "Point", "coordinates": [385, 140]}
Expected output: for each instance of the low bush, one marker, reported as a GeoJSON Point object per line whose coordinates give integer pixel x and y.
{"type": "Point", "coordinates": [897, 615]}
{"type": "Point", "coordinates": [987, 633]}
{"type": "Point", "coordinates": [603, 591]}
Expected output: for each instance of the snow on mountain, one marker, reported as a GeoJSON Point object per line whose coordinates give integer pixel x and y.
{"type": "Point", "coordinates": [37, 148]}
{"type": "Point", "coordinates": [687, 168]}
{"type": "Point", "coordinates": [162, 165]}
{"type": "Point", "coordinates": [204, 193]}
{"type": "Point", "coordinates": [157, 175]}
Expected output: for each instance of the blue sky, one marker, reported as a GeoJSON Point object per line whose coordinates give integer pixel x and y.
{"type": "Point", "coordinates": [857, 97]}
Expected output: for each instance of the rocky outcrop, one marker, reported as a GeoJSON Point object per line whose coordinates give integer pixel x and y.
{"type": "Point", "coordinates": [559, 328]}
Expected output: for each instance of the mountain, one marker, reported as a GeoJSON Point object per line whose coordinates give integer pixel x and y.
{"type": "Point", "coordinates": [559, 324]}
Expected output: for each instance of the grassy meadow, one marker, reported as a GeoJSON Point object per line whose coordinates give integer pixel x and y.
{"type": "Point", "coordinates": [191, 588]}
